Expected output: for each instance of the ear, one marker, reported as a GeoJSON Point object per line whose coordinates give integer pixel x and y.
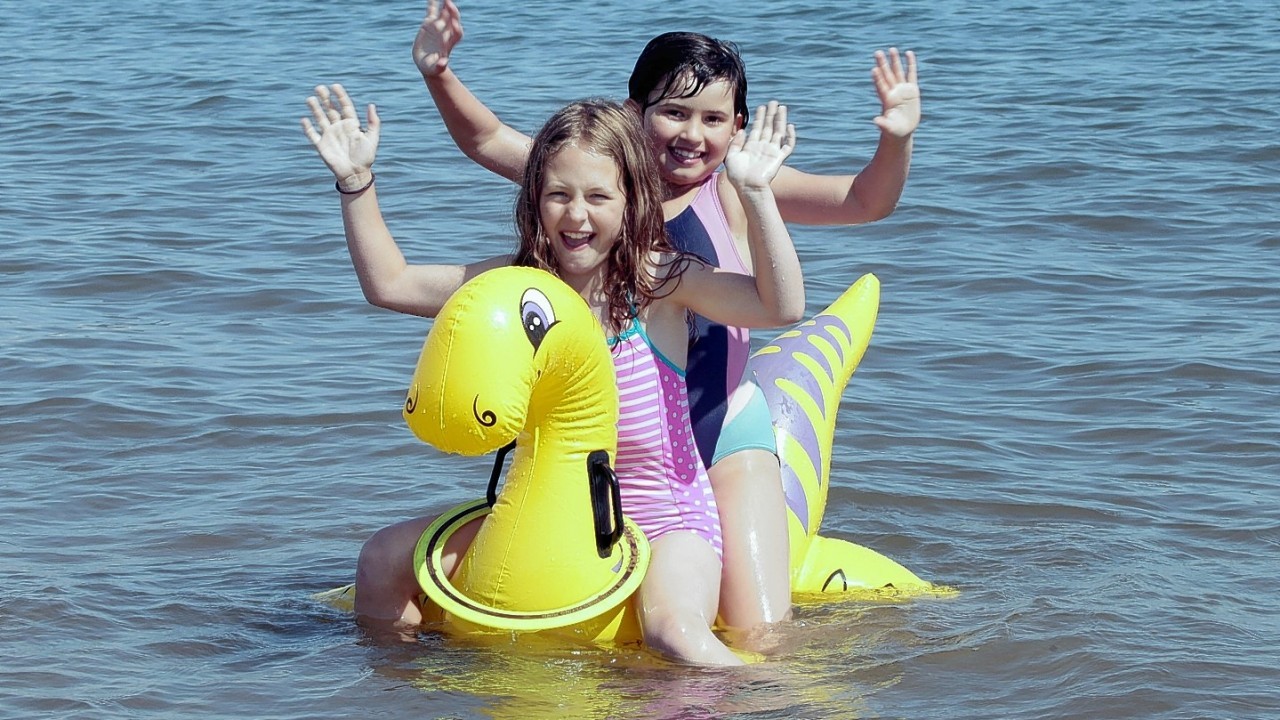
{"type": "Point", "coordinates": [633, 106]}
{"type": "Point", "coordinates": [737, 123]}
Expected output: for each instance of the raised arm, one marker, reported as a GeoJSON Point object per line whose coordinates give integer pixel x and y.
{"type": "Point", "coordinates": [775, 296]}
{"type": "Point", "coordinates": [873, 193]}
{"type": "Point", "coordinates": [386, 279]}
{"type": "Point", "coordinates": [474, 128]}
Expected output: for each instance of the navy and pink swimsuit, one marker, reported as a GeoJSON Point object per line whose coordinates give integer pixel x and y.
{"type": "Point", "coordinates": [717, 353]}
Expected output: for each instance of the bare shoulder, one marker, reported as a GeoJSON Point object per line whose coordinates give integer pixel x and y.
{"type": "Point", "coordinates": [487, 264]}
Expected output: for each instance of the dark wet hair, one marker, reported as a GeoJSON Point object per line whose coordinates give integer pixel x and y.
{"type": "Point", "coordinates": [680, 64]}
{"type": "Point", "coordinates": [606, 128]}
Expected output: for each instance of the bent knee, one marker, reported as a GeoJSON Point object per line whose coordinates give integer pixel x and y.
{"type": "Point", "coordinates": [377, 568]}
{"type": "Point", "coordinates": [676, 631]}
{"type": "Point", "coordinates": [381, 549]}
{"type": "Point", "coordinates": [386, 558]}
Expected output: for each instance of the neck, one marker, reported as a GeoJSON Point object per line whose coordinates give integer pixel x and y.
{"type": "Point", "coordinates": [585, 285]}
{"type": "Point", "coordinates": [673, 191]}
{"type": "Point", "coordinates": [676, 198]}
{"type": "Point", "coordinates": [590, 287]}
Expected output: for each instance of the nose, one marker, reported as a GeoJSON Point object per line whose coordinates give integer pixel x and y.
{"type": "Point", "coordinates": [577, 210]}
{"type": "Point", "coordinates": [691, 131]}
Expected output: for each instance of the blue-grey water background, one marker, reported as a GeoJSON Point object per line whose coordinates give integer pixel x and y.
{"type": "Point", "coordinates": [1068, 410]}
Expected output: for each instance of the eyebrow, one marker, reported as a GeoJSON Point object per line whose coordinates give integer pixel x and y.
{"type": "Point", "coordinates": [549, 187]}
{"type": "Point", "coordinates": [676, 102]}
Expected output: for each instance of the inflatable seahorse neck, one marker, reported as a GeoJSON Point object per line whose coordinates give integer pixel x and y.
{"type": "Point", "coordinates": [517, 355]}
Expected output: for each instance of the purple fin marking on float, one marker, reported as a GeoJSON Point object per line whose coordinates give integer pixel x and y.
{"type": "Point", "coordinates": [803, 374]}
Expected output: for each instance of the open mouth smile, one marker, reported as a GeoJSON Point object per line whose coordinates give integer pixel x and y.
{"type": "Point", "coordinates": [686, 156]}
{"type": "Point", "coordinates": [575, 240]}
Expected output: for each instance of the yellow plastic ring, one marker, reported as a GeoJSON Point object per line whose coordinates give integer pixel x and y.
{"type": "Point", "coordinates": [631, 551]}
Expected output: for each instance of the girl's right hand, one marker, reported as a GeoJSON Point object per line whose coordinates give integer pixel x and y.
{"type": "Point", "coordinates": [441, 29]}
{"type": "Point", "coordinates": [336, 135]}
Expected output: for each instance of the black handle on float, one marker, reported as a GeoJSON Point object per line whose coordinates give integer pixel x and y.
{"type": "Point", "coordinates": [492, 494]}
{"type": "Point", "coordinates": [606, 502]}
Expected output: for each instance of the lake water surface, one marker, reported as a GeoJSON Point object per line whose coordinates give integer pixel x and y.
{"type": "Point", "coordinates": [1068, 410]}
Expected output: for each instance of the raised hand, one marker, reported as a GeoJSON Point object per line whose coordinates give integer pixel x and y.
{"type": "Point", "coordinates": [754, 159]}
{"type": "Point", "coordinates": [898, 91]}
{"type": "Point", "coordinates": [334, 130]}
{"type": "Point", "coordinates": [441, 29]}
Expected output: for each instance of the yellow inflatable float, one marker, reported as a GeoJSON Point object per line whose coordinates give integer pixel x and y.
{"type": "Point", "coordinates": [516, 356]}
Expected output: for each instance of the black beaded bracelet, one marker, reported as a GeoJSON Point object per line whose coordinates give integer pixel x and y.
{"type": "Point", "coordinates": [337, 184]}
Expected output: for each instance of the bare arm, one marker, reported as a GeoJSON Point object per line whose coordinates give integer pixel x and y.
{"type": "Point", "coordinates": [873, 193]}
{"type": "Point", "coordinates": [775, 295]}
{"type": "Point", "coordinates": [475, 129]}
{"type": "Point", "coordinates": [386, 279]}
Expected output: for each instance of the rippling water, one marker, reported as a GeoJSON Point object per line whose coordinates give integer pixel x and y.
{"type": "Point", "coordinates": [1068, 410]}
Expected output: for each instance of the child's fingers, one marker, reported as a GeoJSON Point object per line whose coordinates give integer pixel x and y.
{"type": "Point", "coordinates": [310, 131]}
{"type": "Point", "coordinates": [318, 112]}
{"type": "Point", "coordinates": [348, 109]}
{"type": "Point", "coordinates": [772, 112]}
{"type": "Point", "coordinates": [911, 67]}
{"type": "Point", "coordinates": [779, 120]}
{"type": "Point", "coordinates": [896, 60]}
{"type": "Point", "coordinates": [325, 97]}
{"type": "Point", "coordinates": [375, 124]}
{"type": "Point", "coordinates": [762, 128]}
{"type": "Point", "coordinates": [754, 132]}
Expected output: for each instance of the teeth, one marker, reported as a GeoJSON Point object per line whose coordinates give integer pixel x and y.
{"type": "Point", "coordinates": [685, 154]}
{"type": "Point", "coordinates": [577, 239]}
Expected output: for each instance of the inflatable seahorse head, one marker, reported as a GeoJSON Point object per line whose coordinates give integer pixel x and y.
{"type": "Point", "coordinates": [516, 354]}
{"type": "Point", "coordinates": [474, 384]}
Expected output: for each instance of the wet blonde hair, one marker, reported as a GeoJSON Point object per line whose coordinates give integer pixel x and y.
{"type": "Point", "coordinates": [610, 130]}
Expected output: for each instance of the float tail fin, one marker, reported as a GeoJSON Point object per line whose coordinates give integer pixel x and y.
{"type": "Point", "coordinates": [803, 374]}
{"type": "Point", "coordinates": [835, 566]}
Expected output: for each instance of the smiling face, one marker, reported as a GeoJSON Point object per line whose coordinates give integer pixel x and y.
{"type": "Point", "coordinates": [582, 209]}
{"type": "Point", "coordinates": [690, 135]}
{"type": "Point", "coordinates": [590, 207]}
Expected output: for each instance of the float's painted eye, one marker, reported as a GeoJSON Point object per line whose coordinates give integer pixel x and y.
{"type": "Point", "coordinates": [536, 315]}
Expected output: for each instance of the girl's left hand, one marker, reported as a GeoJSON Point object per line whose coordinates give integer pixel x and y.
{"type": "Point", "coordinates": [754, 159]}
{"type": "Point", "coordinates": [899, 93]}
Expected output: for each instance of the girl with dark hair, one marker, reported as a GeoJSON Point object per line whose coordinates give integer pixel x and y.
{"type": "Point", "coordinates": [690, 92]}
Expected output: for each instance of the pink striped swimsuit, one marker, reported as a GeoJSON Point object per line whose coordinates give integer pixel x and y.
{"type": "Point", "coordinates": [664, 484]}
